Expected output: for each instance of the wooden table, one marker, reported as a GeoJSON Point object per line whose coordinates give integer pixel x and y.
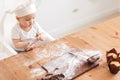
{"type": "Point", "coordinates": [102, 37]}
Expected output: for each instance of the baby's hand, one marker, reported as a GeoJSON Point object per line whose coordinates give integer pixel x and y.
{"type": "Point", "coordinates": [40, 37]}
{"type": "Point", "coordinates": [30, 47]}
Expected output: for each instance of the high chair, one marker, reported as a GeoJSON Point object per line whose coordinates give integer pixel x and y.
{"type": "Point", "coordinates": [6, 24]}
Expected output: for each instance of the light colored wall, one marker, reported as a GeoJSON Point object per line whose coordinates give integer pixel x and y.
{"type": "Point", "coordinates": [59, 17]}
{"type": "Point", "coordinates": [1, 13]}
{"type": "Point", "coordinates": [118, 5]}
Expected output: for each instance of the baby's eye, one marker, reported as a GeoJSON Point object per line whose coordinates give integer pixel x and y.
{"type": "Point", "coordinates": [30, 19]}
{"type": "Point", "coordinates": [27, 19]}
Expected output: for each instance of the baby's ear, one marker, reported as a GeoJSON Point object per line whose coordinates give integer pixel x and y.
{"type": "Point", "coordinates": [17, 18]}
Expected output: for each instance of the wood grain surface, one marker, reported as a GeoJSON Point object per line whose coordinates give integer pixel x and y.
{"type": "Point", "coordinates": [101, 37]}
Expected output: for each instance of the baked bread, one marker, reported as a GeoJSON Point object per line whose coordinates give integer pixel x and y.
{"type": "Point", "coordinates": [114, 67]}
{"type": "Point", "coordinates": [111, 55]}
{"type": "Point", "coordinates": [113, 60]}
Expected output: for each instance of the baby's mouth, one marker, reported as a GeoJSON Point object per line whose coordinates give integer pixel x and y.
{"type": "Point", "coordinates": [30, 25]}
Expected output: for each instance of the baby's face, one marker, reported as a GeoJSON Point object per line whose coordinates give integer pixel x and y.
{"type": "Point", "coordinates": [27, 21]}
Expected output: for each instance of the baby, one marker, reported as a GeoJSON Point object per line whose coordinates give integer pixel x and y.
{"type": "Point", "coordinates": [27, 31]}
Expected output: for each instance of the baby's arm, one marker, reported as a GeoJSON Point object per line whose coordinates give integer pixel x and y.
{"type": "Point", "coordinates": [40, 37]}
{"type": "Point", "coordinates": [19, 44]}
{"type": "Point", "coordinates": [44, 34]}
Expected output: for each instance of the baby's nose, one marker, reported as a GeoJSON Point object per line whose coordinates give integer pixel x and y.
{"type": "Point", "coordinates": [32, 21]}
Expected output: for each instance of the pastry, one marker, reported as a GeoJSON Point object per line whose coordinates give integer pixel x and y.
{"type": "Point", "coordinates": [53, 77]}
{"type": "Point", "coordinates": [111, 55]}
{"type": "Point", "coordinates": [114, 67]}
{"type": "Point", "coordinates": [113, 60]}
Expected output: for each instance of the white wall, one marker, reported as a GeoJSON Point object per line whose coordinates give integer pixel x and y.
{"type": "Point", "coordinates": [1, 8]}
{"type": "Point", "coordinates": [1, 15]}
{"type": "Point", "coordinates": [119, 5]}
{"type": "Point", "coordinates": [59, 17]}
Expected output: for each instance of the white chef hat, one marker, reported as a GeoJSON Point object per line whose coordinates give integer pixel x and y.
{"type": "Point", "coordinates": [25, 9]}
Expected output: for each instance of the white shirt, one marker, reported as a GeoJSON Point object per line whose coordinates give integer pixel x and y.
{"type": "Point", "coordinates": [19, 33]}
